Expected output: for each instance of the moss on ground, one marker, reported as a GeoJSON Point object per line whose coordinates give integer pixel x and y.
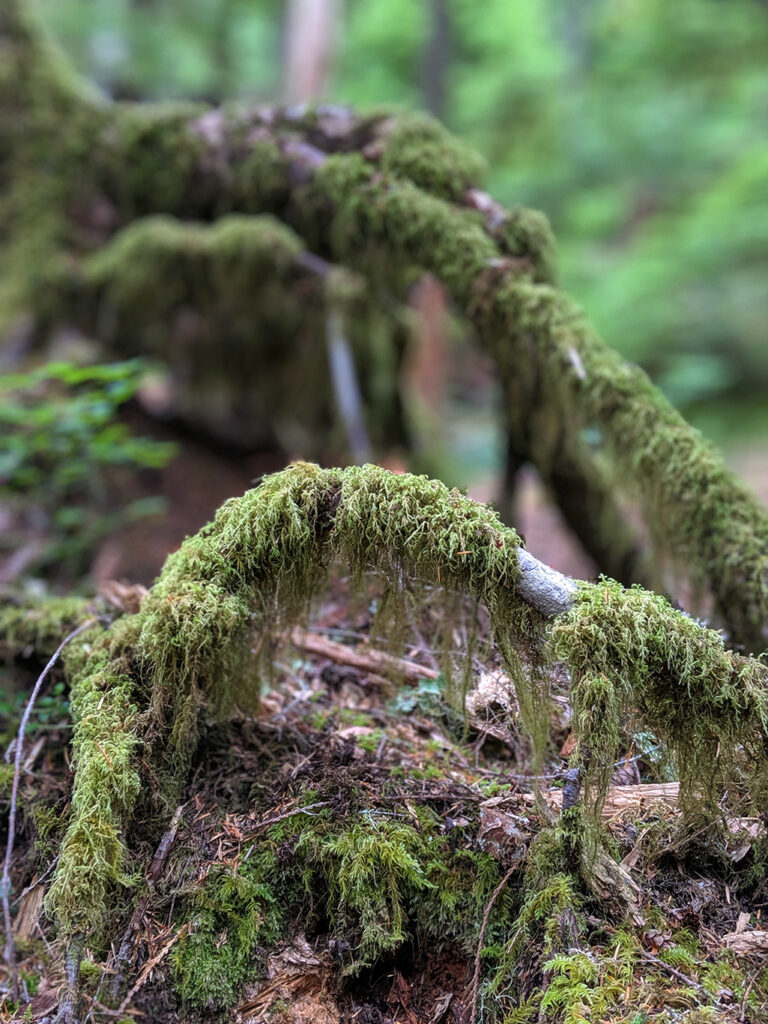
{"type": "Point", "coordinates": [381, 194]}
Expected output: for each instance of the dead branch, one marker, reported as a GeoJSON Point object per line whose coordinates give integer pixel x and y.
{"type": "Point", "coordinates": [369, 660]}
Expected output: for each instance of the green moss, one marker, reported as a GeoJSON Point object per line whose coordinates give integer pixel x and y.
{"type": "Point", "coordinates": [526, 234]}
{"type": "Point", "coordinates": [39, 626]}
{"type": "Point", "coordinates": [635, 658]}
{"type": "Point", "coordinates": [374, 211]}
{"type": "Point", "coordinates": [420, 149]}
{"type": "Point", "coordinates": [373, 875]}
{"type": "Point", "coordinates": [381, 883]}
{"type": "Point", "coordinates": [388, 219]}
{"type": "Point", "coordinates": [226, 920]}
{"type": "Point", "coordinates": [256, 567]}
{"type": "Point", "coordinates": [94, 861]}
{"type": "Point", "coordinates": [148, 159]}
{"type": "Point", "coordinates": [216, 267]}
{"type": "Point", "coordinates": [714, 530]}
{"type": "Point", "coordinates": [262, 178]}
{"type": "Point", "coordinates": [548, 921]}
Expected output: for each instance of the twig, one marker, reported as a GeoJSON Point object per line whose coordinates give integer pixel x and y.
{"type": "Point", "coordinates": [475, 986]}
{"type": "Point", "coordinates": [150, 964]}
{"type": "Point", "coordinates": [658, 962]}
{"type": "Point", "coordinates": [346, 387]}
{"type": "Point", "coordinates": [38, 881]}
{"type": "Point", "coordinates": [370, 661]}
{"type": "Point", "coordinates": [68, 998]}
{"type": "Point", "coordinates": [5, 886]}
{"type": "Point", "coordinates": [281, 817]}
{"type": "Point", "coordinates": [748, 990]}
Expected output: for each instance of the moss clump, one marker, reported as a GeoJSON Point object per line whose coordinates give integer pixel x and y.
{"type": "Point", "coordinates": [635, 658]}
{"type": "Point", "coordinates": [226, 919]}
{"type": "Point", "coordinates": [255, 567]}
{"type": "Point", "coordinates": [94, 859]}
{"type": "Point", "coordinates": [38, 626]}
{"type": "Point", "coordinates": [420, 149]}
{"type": "Point", "coordinates": [527, 234]}
{"type": "Point", "coordinates": [148, 160]}
{"type": "Point", "coordinates": [373, 210]}
{"type": "Point", "coordinates": [379, 883]}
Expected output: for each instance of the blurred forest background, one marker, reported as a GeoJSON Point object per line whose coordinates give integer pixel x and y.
{"type": "Point", "coordinates": [638, 126]}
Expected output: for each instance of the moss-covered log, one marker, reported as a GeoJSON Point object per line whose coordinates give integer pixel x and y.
{"type": "Point", "coordinates": [388, 196]}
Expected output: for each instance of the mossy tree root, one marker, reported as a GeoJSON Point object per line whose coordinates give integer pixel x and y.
{"type": "Point", "coordinates": [387, 195]}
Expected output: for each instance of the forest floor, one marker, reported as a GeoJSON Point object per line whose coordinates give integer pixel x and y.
{"type": "Point", "coordinates": [346, 742]}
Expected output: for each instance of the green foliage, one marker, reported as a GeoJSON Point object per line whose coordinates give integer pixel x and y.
{"type": "Point", "coordinates": [63, 446]}
{"type": "Point", "coordinates": [375, 204]}
{"type": "Point", "coordinates": [590, 985]}
{"type": "Point", "coordinates": [39, 625]}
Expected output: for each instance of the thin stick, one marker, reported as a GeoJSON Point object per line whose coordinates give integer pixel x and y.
{"type": "Point", "coordinates": [281, 817]}
{"type": "Point", "coordinates": [39, 881]}
{"type": "Point", "coordinates": [150, 965]}
{"type": "Point", "coordinates": [123, 958]}
{"type": "Point", "coordinates": [5, 886]}
{"type": "Point", "coordinates": [475, 986]}
{"type": "Point", "coordinates": [368, 661]}
{"type": "Point", "coordinates": [658, 962]}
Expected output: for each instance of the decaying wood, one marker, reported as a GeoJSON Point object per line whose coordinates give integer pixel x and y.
{"type": "Point", "coordinates": [623, 798]}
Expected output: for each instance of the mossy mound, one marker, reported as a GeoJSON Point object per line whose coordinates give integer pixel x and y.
{"type": "Point", "coordinates": [142, 687]}
{"type": "Point", "coordinates": [315, 872]}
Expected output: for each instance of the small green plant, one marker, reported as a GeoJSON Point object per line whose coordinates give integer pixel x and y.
{"type": "Point", "coordinates": [427, 698]}
{"type": "Point", "coordinates": [63, 451]}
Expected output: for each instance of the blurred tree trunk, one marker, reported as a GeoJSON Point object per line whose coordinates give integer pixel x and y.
{"type": "Point", "coordinates": [436, 59]}
{"type": "Point", "coordinates": [311, 27]}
